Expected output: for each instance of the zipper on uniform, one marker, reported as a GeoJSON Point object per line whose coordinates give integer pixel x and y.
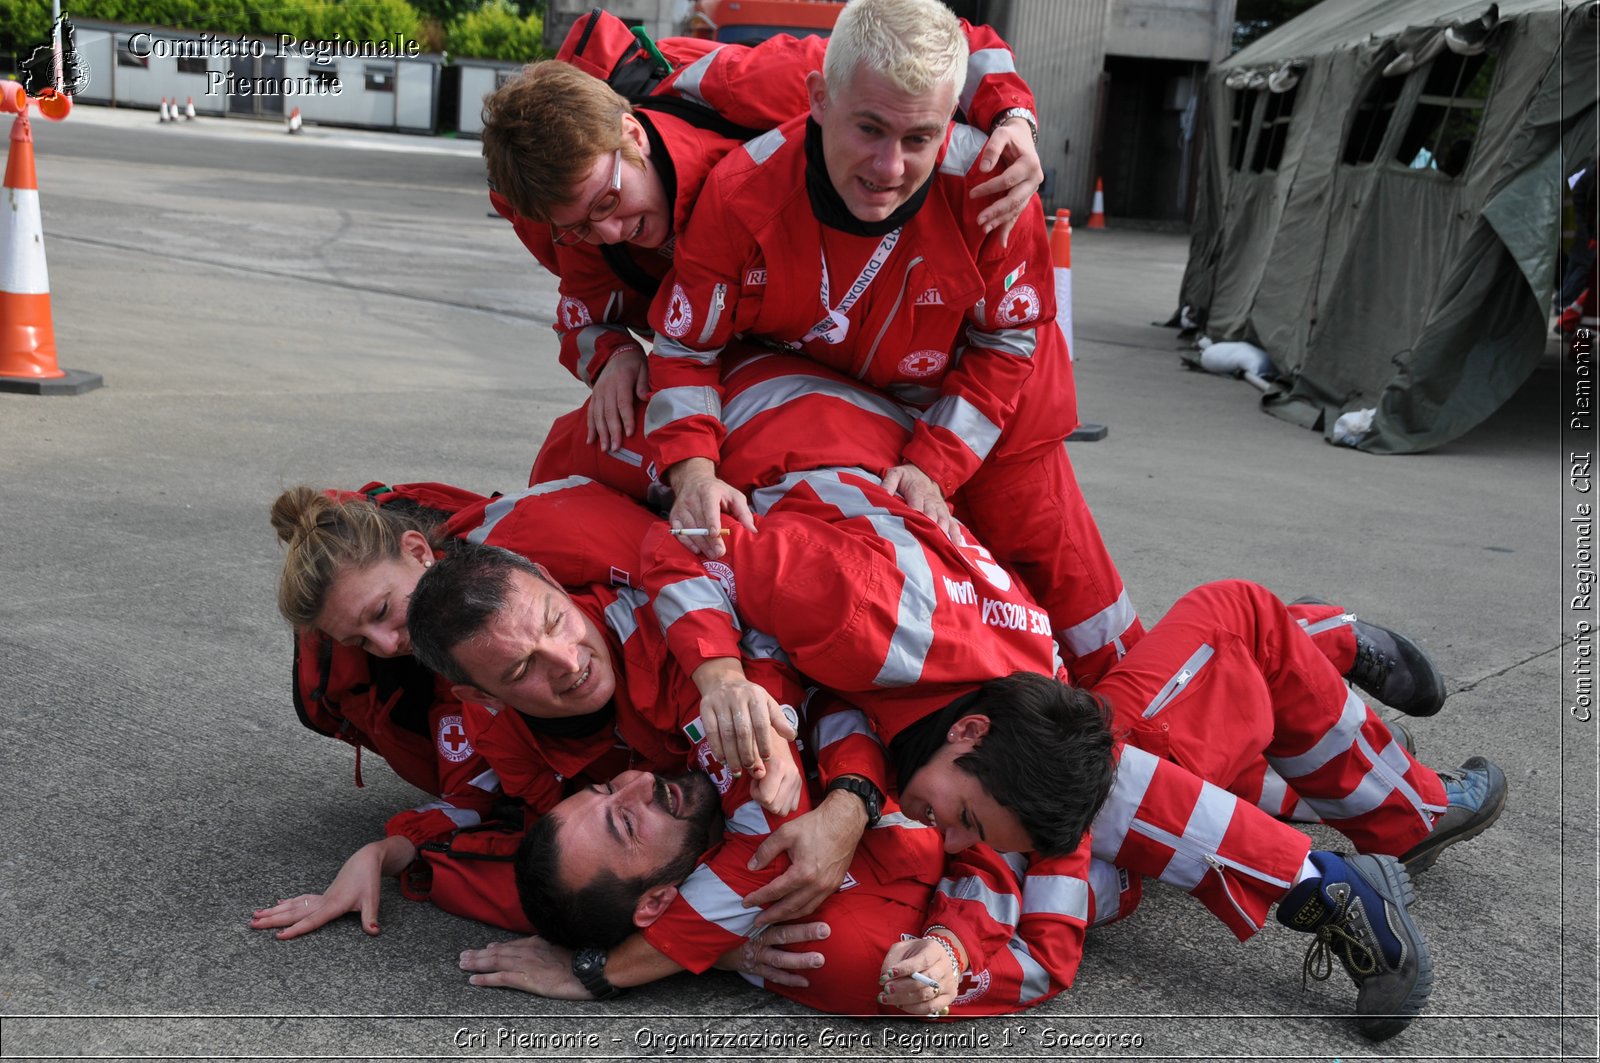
{"type": "Point", "coordinates": [894, 312]}
{"type": "Point", "coordinates": [719, 297]}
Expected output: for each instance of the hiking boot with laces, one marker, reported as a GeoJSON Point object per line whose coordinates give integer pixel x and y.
{"type": "Point", "coordinates": [1357, 910]}
{"type": "Point", "coordinates": [1476, 792]}
{"type": "Point", "coordinates": [1391, 668]}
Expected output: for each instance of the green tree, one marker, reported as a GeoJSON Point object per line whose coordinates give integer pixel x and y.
{"type": "Point", "coordinates": [496, 31]}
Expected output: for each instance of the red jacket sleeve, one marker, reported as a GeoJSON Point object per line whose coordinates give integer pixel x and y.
{"type": "Point", "coordinates": [1021, 923]}
{"type": "Point", "coordinates": [695, 314]}
{"type": "Point", "coordinates": [764, 86]}
{"type": "Point", "coordinates": [582, 532]}
{"type": "Point", "coordinates": [995, 353]}
{"type": "Point", "coordinates": [843, 741]}
{"type": "Point", "coordinates": [468, 787]}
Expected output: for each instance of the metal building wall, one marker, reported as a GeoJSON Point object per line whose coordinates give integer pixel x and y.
{"type": "Point", "coordinates": [1060, 50]}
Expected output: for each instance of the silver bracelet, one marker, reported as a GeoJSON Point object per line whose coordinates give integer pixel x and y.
{"type": "Point", "coordinates": [955, 967]}
{"type": "Point", "coordinates": [1022, 113]}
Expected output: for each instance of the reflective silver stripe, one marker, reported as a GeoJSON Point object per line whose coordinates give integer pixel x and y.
{"type": "Point", "coordinates": [980, 64]}
{"type": "Point", "coordinates": [667, 347]}
{"type": "Point", "coordinates": [1003, 908]}
{"type": "Point", "coordinates": [1386, 776]}
{"type": "Point", "coordinates": [761, 148]}
{"type": "Point", "coordinates": [461, 817]}
{"type": "Point", "coordinates": [502, 507]}
{"type": "Point", "coordinates": [620, 613]}
{"type": "Point", "coordinates": [777, 393]}
{"type": "Point", "coordinates": [1017, 342]}
{"type": "Point", "coordinates": [838, 726]}
{"type": "Point", "coordinates": [760, 646]}
{"type": "Point", "coordinates": [914, 394]}
{"type": "Point", "coordinates": [1135, 769]}
{"type": "Point", "coordinates": [1176, 685]}
{"type": "Point", "coordinates": [1338, 740]}
{"type": "Point", "coordinates": [689, 595]}
{"type": "Point", "coordinates": [1101, 629]}
{"type": "Point", "coordinates": [913, 630]}
{"type": "Point", "coordinates": [677, 404]}
{"type": "Point", "coordinates": [714, 902]}
{"type": "Point", "coordinates": [1273, 788]}
{"type": "Point", "coordinates": [488, 782]}
{"type": "Point", "coordinates": [1017, 862]}
{"type": "Point", "coordinates": [1202, 835]}
{"type": "Point", "coordinates": [1055, 895]}
{"type": "Point", "coordinates": [901, 820]}
{"type": "Point", "coordinates": [688, 82]}
{"type": "Point", "coordinates": [1329, 624]}
{"type": "Point", "coordinates": [631, 457]}
{"type": "Point", "coordinates": [766, 497]}
{"type": "Point", "coordinates": [1035, 980]}
{"type": "Point", "coordinates": [1105, 879]}
{"type": "Point", "coordinates": [966, 144]}
{"type": "Point", "coordinates": [958, 416]}
{"type": "Point", "coordinates": [588, 339]}
{"type": "Point", "coordinates": [749, 818]}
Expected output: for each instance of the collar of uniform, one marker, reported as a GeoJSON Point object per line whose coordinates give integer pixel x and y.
{"type": "Point", "coordinates": [573, 726]}
{"type": "Point", "coordinates": [661, 158]}
{"type": "Point", "coordinates": [829, 207]}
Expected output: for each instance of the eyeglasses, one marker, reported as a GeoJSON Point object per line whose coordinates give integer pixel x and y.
{"type": "Point", "coordinates": [602, 208]}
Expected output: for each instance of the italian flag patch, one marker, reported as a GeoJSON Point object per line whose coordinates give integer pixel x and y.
{"type": "Point", "coordinates": [694, 731]}
{"type": "Point", "coordinates": [1015, 275]}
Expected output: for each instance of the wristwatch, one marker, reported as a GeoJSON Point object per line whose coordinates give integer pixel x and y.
{"type": "Point", "coordinates": [589, 967]}
{"type": "Point", "coordinates": [870, 795]}
{"type": "Point", "coordinates": [1022, 113]}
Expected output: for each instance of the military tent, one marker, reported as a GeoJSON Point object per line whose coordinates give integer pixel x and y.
{"type": "Point", "coordinates": [1380, 205]}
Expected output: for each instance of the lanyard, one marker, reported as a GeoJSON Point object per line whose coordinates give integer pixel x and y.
{"type": "Point", "coordinates": [835, 326]}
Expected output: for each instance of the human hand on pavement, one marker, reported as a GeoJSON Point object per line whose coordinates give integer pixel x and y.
{"type": "Point", "coordinates": [530, 964]}
{"type": "Point", "coordinates": [354, 889]}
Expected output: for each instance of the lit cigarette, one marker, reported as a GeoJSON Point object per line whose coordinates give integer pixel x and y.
{"type": "Point", "coordinates": [918, 976]}
{"type": "Point", "coordinates": [699, 531]}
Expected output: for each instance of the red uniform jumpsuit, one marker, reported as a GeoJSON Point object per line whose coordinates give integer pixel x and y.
{"type": "Point", "coordinates": [756, 88]}
{"type": "Point", "coordinates": [942, 318]}
{"type": "Point", "coordinates": [1234, 678]}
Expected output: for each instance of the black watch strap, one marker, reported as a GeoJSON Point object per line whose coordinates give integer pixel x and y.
{"type": "Point", "coordinates": [870, 795]}
{"type": "Point", "coordinates": [589, 967]}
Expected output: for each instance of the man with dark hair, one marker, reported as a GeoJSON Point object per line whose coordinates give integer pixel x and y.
{"type": "Point", "coordinates": [913, 620]}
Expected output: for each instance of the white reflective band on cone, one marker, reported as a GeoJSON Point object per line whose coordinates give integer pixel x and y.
{"type": "Point", "coordinates": [22, 268]}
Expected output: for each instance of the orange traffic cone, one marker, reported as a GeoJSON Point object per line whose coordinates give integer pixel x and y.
{"type": "Point", "coordinates": [27, 339]}
{"type": "Point", "coordinates": [1061, 258]}
{"type": "Point", "coordinates": [166, 116]}
{"type": "Point", "coordinates": [188, 110]}
{"type": "Point", "coordinates": [294, 121]}
{"type": "Point", "coordinates": [1097, 215]}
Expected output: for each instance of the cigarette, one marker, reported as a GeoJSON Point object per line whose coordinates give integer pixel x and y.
{"type": "Point", "coordinates": [700, 531]}
{"type": "Point", "coordinates": [918, 976]}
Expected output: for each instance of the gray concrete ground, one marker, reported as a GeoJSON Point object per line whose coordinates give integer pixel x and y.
{"type": "Point", "coordinates": [269, 311]}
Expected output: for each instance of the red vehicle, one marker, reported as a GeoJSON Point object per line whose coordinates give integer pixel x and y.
{"type": "Point", "coordinates": [749, 21]}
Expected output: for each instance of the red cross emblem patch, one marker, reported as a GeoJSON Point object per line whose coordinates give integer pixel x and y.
{"type": "Point", "coordinates": [1019, 307]}
{"type": "Point", "coordinates": [923, 363]}
{"type": "Point", "coordinates": [680, 315]}
{"type": "Point", "coordinates": [453, 743]}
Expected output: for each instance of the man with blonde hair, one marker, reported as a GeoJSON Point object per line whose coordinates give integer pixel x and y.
{"type": "Point", "coordinates": [866, 203]}
{"type": "Point", "coordinates": [596, 184]}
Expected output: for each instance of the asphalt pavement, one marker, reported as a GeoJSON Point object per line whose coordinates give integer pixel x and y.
{"type": "Point", "coordinates": [337, 307]}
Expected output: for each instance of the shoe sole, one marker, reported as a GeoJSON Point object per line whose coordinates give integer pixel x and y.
{"type": "Point", "coordinates": [1425, 853]}
{"type": "Point", "coordinates": [1392, 881]}
{"type": "Point", "coordinates": [1428, 707]}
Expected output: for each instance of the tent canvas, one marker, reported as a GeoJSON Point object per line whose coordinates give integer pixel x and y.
{"type": "Point", "coordinates": [1389, 235]}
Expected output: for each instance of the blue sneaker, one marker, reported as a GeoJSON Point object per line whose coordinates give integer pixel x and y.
{"type": "Point", "coordinates": [1357, 909]}
{"type": "Point", "coordinates": [1476, 792]}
